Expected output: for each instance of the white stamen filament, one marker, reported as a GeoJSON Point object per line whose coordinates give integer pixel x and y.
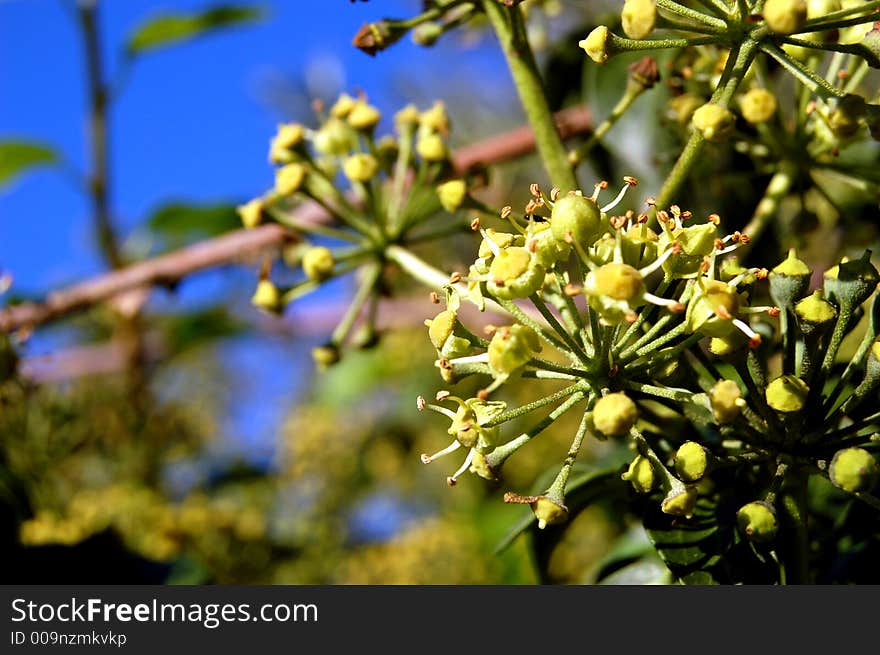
{"type": "Point", "coordinates": [471, 359]}
{"type": "Point", "coordinates": [745, 329]}
{"type": "Point", "coordinates": [620, 195]}
{"type": "Point", "coordinates": [442, 410]}
{"type": "Point", "coordinates": [662, 302]}
{"type": "Point", "coordinates": [491, 243]}
{"type": "Point", "coordinates": [452, 479]}
{"type": "Point", "coordinates": [451, 448]}
{"type": "Point", "coordinates": [657, 263]}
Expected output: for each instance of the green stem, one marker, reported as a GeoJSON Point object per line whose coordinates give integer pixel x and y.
{"type": "Point", "coordinates": [739, 60]}
{"type": "Point", "coordinates": [678, 395]}
{"type": "Point", "coordinates": [561, 331]}
{"type": "Point", "coordinates": [289, 219]}
{"type": "Point", "coordinates": [633, 91]}
{"type": "Point", "coordinates": [510, 28]}
{"type": "Point", "coordinates": [765, 212]}
{"type": "Point", "coordinates": [796, 545]}
{"type": "Point", "coordinates": [694, 15]}
{"type": "Point", "coordinates": [357, 304]}
{"type": "Point", "coordinates": [99, 182]}
{"type": "Point", "coordinates": [497, 457]}
{"type": "Point", "coordinates": [804, 75]}
{"type": "Point", "coordinates": [527, 320]}
{"type": "Point", "coordinates": [532, 406]}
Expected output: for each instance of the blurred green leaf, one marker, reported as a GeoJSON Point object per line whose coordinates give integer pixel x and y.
{"type": "Point", "coordinates": [169, 29]}
{"type": "Point", "coordinates": [186, 331]}
{"type": "Point", "coordinates": [179, 222]}
{"type": "Point", "coordinates": [16, 157]}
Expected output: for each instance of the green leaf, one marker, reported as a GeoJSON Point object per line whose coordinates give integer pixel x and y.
{"type": "Point", "coordinates": [180, 222]}
{"type": "Point", "coordinates": [693, 549]}
{"type": "Point", "coordinates": [169, 29]}
{"type": "Point", "coordinates": [16, 157]}
{"type": "Point", "coordinates": [186, 331]}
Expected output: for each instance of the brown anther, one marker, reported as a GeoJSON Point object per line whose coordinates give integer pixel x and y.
{"type": "Point", "coordinates": [482, 394]}
{"type": "Point", "coordinates": [843, 75]}
{"type": "Point", "coordinates": [510, 497]}
{"type": "Point", "coordinates": [602, 185]}
{"type": "Point", "coordinates": [663, 216]}
{"type": "Point", "coordinates": [630, 180]}
{"type": "Point", "coordinates": [755, 341]}
{"type": "Point", "coordinates": [617, 222]}
{"type": "Point", "coordinates": [426, 459]}
{"type": "Point", "coordinates": [774, 311]}
{"type": "Point", "coordinates": [676, 210]}
{"type": "Point", "coordinates": [736, 236]}
{"type": "Point", "coordinates": [762, 273]}
{"type": "Point", "coordinates": [629, 214]}
{"type": "Point", "coordinates": [444, 364]}
{"type": "Point", "coordinates": [489, 330]}
{"type": "Point", "coordinates": [650, 201]}
{"type": "Point", "coordinates": [554, 193]}
{"type": "Point", "coordinates": [451, 481]}
{"type": "Point", "coordinates": [676, 247]}
{"type": "Point", "coordinates": [569, 237]}
{"type": "Point", "coordinates": [532, 245]}
{"type": "Point", "coordinates": [687, 72]}
{"type": "Point", "coordinates": [455, 278]}
{"type": "Point", "coordinates": [613, 371]}
{"type": "Point", "coordinates": [443, 394]}
{"type": "Point", "coordinates": [531, 206]}
{"type": "Point", "coordinates": [715, 219]}
{"type": "Point", "coordinates": [499, 282]}
{"type": "Point", "coordinates": [420, 403]}
{"type": "Point", "coordinates": [475, 224]}
{"type": "Point", "coordinates": [572, 289]}
{"type": "Point", "coordinates": [744, 239]}
{"type": "Point", "coordinates": [435, 299]}
{"type": "Point", "coordinates": [642, 218]}
{"type": "Point", "coordinates": [535, 190]}
{"type": "Point", "coordinates": [705, 265]}
{"type": "Point", "coordinates": [719, 244]}
{"type": "Point", "coordinates": [677, 307]}
{"type": "Point", "coordinates": [506, 211]}
{"type": "Point", "coordinates": [722, 313]}
{"type": "Point", "coordinates": [631, 317]}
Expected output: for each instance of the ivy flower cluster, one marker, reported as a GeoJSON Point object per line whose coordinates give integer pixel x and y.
{"type": "Point", "coordinates": [378, 191]}
{"type": "Point", "coordinates": [633, 318]}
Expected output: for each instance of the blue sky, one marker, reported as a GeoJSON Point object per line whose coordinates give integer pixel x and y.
{"type": "Point", "coordinates": [193, 123]}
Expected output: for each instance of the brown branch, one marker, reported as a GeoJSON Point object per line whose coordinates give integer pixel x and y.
{"type": "Point", "coordinates": [166, 270]}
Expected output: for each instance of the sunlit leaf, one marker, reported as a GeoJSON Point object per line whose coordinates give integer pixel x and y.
{"type": "Point", "coordinates": [167, 29]}
{"type": "Point", "coordinates": [180, 222]}
{"type": "Point", "coordinates": [17, 157]}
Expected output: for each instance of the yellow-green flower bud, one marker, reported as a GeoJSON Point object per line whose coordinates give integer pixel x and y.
{"type": "Point", "coordinates": [288, 137]}
{"type": "Point", "coordinates": [480, 467]}
{"type": "Point", "coordinates": [325, 356]}
{"type": "Point", "coordinates": [363, 117]}
{"type": "Point", "coordinates": [289, 179]}
{"type": "Point", "coordinates": [787, 393]}
{"type": "Point", "coordinates": [691, 461]}
{"type": "Point", "coordinates": [549, 512]}
{"type": "Point", "coordinates": [758, 106]}
{"type": "Point", "coordinates": [452, 194]}
{"type": "Point", "coordinates": [501, 239]}
{"type": "Point", "coordinates": [615, 414]}
{"type": "Point", "coordinates": [680, 502]}
{"type": "Point", "coordinates": [711, 298]}
{"type": "Point", "coordinates": [714, 122]}
{"type": "Point", "coordinates": [854, 470]}
{"type": "Point", "coordinates": [467, 426]}
{"type": "Point", "coordinates": [334, 138]}
{"type": "Point", "coordinates": [851, 283]}
{"type": "Point", "coordinates": [251, 213]}
{"type": "Point", "coordinates": [343, 106]}
{"type": "Point", "coordinates": [619, 281]}
{"type": "Point", "coordinates": [596, 44]}
{"type": "Point", "coordinates": [511, 348]}
{"type": "Point", "coordinates": [757, 521]}
{"type": "Point", "coordinates": [435, 119]}
{"type": "Point", "coordinates": [789, 281]}
{"type": "Point", "coordinates": [546, 248]}
{"type": "Point", "coordinates": [696, 242]}
{"type": "Point", "coordinates": [318, 263]}
{"type": "Point", "coordinates": [441, 332]}
{"type": "Point", "coordinates": [360, 167]}
{"type": "Point", "coordinates": [431, 147]}
{"type": "Point", "coordinates": [846, 118]}
{"type": "Point", "coordinates": [638, 18]}
{"type": "Point", "coordinates": [728, 344]}
{"type": "Point", "coordinates": [785, 16]}
{"type": "Point", "coordinates": [514, 273]}
{"type": "Point", "coordinates": [727, 401]}
{"type": "Point", "coordinates": [640, 475]}
{"type": "Point", "coordinates": [814, 313]}
{"type": "Point", "coordinates": [407, 117]}
{"type": "Point", "coordinates": [681, 108]}
{"type": "Point", "coordinates": [267, 297]}
{"type": "Point", "coordinates": [576, 215]}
